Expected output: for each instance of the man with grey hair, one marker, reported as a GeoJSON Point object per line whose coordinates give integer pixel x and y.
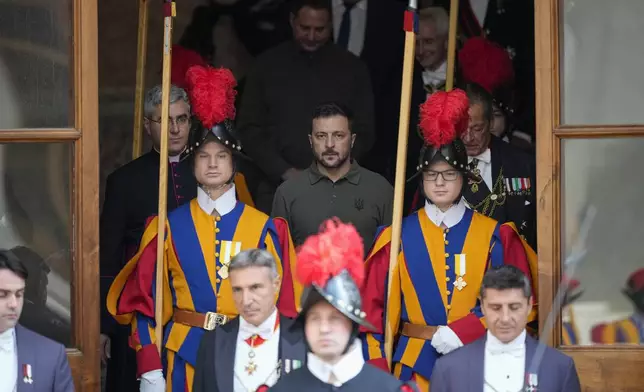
{"type": "Point", "coordinates": [131, 196]}
{"type": "Point", "coordinates": [431, 47]}
{"type": "Point", "coordinates": [258, 346]}
{"type": "Point", "coordinates": [507, 358]}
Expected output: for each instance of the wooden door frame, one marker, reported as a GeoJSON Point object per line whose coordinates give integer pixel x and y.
{"type": "Point", "coordinates": [609, 367]}
{"type": "Point", "coordinates": [84, 355]}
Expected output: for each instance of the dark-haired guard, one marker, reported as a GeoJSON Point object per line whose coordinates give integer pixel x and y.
{"type": "Point", "coordinates": [259, 345]}
{"type": "Point", "coordinates": [283, 89]}
{"type": "Point", "coordinates": [446, 248]}
{"type": "Point", "coordinates": [505, 359]}
{"type": "Point", "coordinates": [334, 184]}
{"type": "Point", "coordinates": [28, 361]}
{"type": "Point", "coordinates": [631, 329]}
{"type": "Point", "coordinates": [330, 266]}
{"type": "Point", "coordinates": [201, 238]}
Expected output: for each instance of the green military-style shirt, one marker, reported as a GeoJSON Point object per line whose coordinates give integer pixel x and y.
{"type": "Point", "coordinates": [361, 197]}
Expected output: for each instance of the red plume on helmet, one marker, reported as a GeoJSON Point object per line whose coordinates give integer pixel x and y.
{"type": "Point", "coordinates": [636, 281]}
{"type": "Point", "coordinates": [444, 117]}
{"type": "Point", "coordinates": [337, 247]}
{"type": "Point", "coordinates": [182, 60]}
{"type": "Point", "coordinates": [485, 63]}
{"type": "Point", "coordinates": [212, 94]}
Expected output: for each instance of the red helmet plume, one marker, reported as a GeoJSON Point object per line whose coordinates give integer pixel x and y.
{"type": "Point", "coordinates": [182, 60]}
{"type": "Point", "coordinates": [212, 94]}
{"type": "Point", "coordinates": [338, 246]}
{"type": "Point", "coordinates": [485, 63]}
{"type": "Point", "coordinates": [636, 280]}
{"type": "Point", "coordinates": [444, 117]}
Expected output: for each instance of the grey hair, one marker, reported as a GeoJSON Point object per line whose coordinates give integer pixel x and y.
{"type": "Point", "coordinates": [254, 258]}
{"type": "Point", "coordinates": [153, 98]}
{"type": "Point", "coordinates": [506, 277]}
{"type": "Point", "coordinates": [436, 15]}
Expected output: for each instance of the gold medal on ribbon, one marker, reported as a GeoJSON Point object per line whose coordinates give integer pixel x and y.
{"type": "Point", "coordinates": [460, 265]}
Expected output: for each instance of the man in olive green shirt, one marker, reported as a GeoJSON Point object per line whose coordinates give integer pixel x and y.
{"type": "Point", "coordinates": [334, 185]}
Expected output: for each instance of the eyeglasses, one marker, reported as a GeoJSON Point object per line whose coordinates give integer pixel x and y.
{"type": "Point", "coordinates": [448, 175]}
{"type": "Point", "coordinates": [179, 121]}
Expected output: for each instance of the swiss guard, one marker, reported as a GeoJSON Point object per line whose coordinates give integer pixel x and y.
{"type": "Point", "coordinates": [446, 248]}
{"type": "Point", "coordinates": [201, 238]}
{"type": "Point", "coordinates": [629, 330]}
{"type": "Point", "coordinates": [330, 265]}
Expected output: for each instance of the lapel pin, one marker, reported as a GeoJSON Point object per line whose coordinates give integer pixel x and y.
{"type": "Point", "coordinates": [26, 374]}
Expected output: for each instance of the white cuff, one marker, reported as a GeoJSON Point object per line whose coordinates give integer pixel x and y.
{"type": "Point", "coordinates": [445, 340]}
{"type": "Point", "coordinates": [152, 376]}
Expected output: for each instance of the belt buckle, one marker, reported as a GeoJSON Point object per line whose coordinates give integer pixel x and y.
{"type": "Point", "coordinates": [213, 320]}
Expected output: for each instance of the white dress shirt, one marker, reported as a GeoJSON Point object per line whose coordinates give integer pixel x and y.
{"type": "Point", "coordinates": [347, 368]}
{"type": "Point", "coordinates": [358, 24]}
{"type": "Point", "coordinates": [224, 203]}
{"type": "Point", "coordinates": [448, 218]}
{"type": "Point", "coordinates": [8, 361]}
{"type": "Point", "coordinates": [266, 355]}
{"type": "Point", "coordinates": [504, 364]}
{"type": "Point", "coordinates": [485, 166]}
{"type": "Point", "coordinates": [479, 7]}
{"type": "Point", "coordinates": [437, 76]}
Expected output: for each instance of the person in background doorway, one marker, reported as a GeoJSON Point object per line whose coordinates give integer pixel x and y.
{"type": "Point", "coordinates": [334, 184]}
{"type": "Point", "coordinates": [284, 87]}
{"type": "Point", "coordinates": [502, 360]}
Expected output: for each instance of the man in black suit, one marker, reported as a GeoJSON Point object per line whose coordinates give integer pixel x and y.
{"type": "Point", "coordinates": [373, 31]}
{"type": "Point", "coordinates": [131, 196]}
{"type": "Point", "coordinates": [257, 347]}
{"type": "Point", "coordinates": [506, 189]}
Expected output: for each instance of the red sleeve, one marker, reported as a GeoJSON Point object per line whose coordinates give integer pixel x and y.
{"type": "Point", "coordinates": [374, 290]}
{"type": "Point", "coordinates": [286, 302]}
{"type": "Point", "coordinates": [468, 328]}
{"type": "Point", "coordinates": [137, 293]}
{"type": "Point", "coordinates": [147, 359]}
{"type": "Point", "coordinates": [518, 253]}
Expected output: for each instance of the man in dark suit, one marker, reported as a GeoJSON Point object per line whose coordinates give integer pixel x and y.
{"type": "Point", "coordinates": [131, 196]}
{"type": "Point", "coordinates": [258, 346]}
{"type": "Point", "coordinates": [373, 31]}
{"type": "Point", "coordinates": [506, 188]}
{"type": "Point", "coordinates": [506, 359]}
{"type": "Point", "coordinates": [28, 361]}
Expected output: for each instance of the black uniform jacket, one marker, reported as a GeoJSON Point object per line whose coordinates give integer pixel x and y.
{"type": "Point", "coordinates": [369, 379]}
{"type": "Point", "coordinates": [513, 197]}
{"type": "Point", "coordinates": [214, 371]}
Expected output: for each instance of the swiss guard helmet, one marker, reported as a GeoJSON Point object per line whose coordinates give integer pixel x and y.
{"type": "Point", "coordinates": [443, 119]}
{"type": "Point", "coordinates": [635, 289]}
{"type": "Point", "coordinates": [330, 265]}
{"type": "Point", "coordinates": [212, 96]}
{"type": "Point", "coordinates": [487, 64]}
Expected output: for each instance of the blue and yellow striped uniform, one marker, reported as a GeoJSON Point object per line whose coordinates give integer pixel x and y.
{"type": "Point", "coordinates": [197, 247]}
{"type": "Point", "coordinates": [422, 290]}
{"type": "Point", "coordinates": [627, 331]}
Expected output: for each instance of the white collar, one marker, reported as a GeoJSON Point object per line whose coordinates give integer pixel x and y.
{"type": "Point", "coordinates": [347, 368]}
{"type": "Point", "coordinates": [485, 156]}
{"type": "Point", "coordinates": [493, 344]}
{"type": "Point", "coordinates": [265, 329]}
{"type": "Point", "coordinates": [172, 158]}
{"type": "Point", "coordinates": [8, 339]}
{"type": "Point", "coordinates": [449, 218]}
{"type": "Point", "coordinates": [224, 203]}
{"type": "Point", "coordinates": [362, 4]}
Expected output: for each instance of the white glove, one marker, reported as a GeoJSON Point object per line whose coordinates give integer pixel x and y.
{"type": "Point", "coordinates": [445, 340]}
{"type": "Point", "coordinates": [152, 381]}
